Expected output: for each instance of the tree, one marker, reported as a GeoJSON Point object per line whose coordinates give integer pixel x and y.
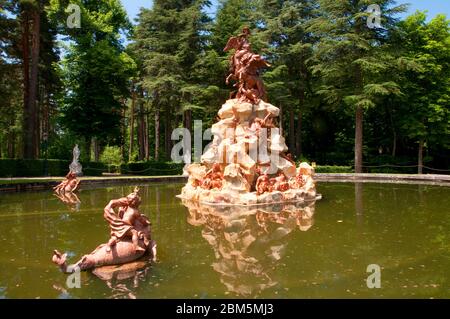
{"type": "Point", "coordinates": [96, 71]}
{"type": "Point", "coordinates": [350, 58]}
{"type": "Point", "coordinates": [288, 45]}
{"type": "Point", "coordinates": [169, 42]}
{"type": "Point", "coordinates": [10, 80]}
{"type": "Point", "coordinates": [425, 82]}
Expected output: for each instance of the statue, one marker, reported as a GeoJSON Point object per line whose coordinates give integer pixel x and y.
{"type": "Point", "coordinates": [248, 162]}
{"type": "Point", "coordinates": [122, 223]}
{"type": "Point", "coordinates": [245, 66]}
{"type": "Point", "coordinates": [69, 185]}
{"type": "Point", "coordinates": [130, 238]}
{"type": "Point", "coordinates": [281, 183]}
{"type": "Point", "coordinates": [262, 184]}
{"type": "Point", "coordinates": [75, 166]}
{"type": "Point", "coordinates": [213, 178]}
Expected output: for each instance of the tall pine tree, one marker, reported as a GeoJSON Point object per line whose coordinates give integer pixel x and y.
{"type": "Point", "coordinates": [351, 56]}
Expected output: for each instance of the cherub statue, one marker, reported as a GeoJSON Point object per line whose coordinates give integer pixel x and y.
{"type": "Point", "coordinates": [298, 181]}
{"type": "Point", "coordinates": [122, 224]}
{"type": "Point", "coordinates": [213, 178]}
{"type": "Point", "coordinates": [69, 184]}
{"type": "Point", "coordinates": [262, 184]}
{"type": "Point", "coordinates": [280, 183]}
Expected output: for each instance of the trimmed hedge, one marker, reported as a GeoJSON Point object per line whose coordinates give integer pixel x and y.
{"type": "Point", "coordinates": [94, 169]}
{"type": "Point", "coordinates": [334, 169]}
{"type": "Point", "coordinates": [152, 168]}
{"type": "Point", "coordinates": [36, 168]}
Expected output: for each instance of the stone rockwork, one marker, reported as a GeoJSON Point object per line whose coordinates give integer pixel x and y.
{"type": "Point", "coordinates": [247, 162]}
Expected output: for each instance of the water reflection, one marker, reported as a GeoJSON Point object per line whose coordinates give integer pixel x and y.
{"type": "Point", "coordinates": [70, 199]}
{"type": "Point", "coordinates": [249, 242]}
{"type": "Point", "coordinates": [123, 280]}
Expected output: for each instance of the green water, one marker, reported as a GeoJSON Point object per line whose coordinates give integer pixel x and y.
{"type": "Point", "coordinates": [319, 252]}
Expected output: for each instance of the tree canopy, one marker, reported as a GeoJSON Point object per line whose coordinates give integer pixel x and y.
{"type": "Point", "coordinates": [350, 93]}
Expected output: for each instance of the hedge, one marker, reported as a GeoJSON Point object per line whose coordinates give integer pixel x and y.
{"type": "Point", "coordinates": [334, 169]}
{"type": "Point", "coordinates": [152, 168]}
{"type": "Point", "coordinates": [37, 168]}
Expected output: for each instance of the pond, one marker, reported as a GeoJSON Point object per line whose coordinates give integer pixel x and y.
{"type": "Point", "coordinates": [319, 250]}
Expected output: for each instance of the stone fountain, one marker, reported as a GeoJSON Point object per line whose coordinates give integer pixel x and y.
{"type": "Point", "coordinates": [248, 161]}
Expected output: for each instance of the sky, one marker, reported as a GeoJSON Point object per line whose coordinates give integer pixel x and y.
{"type": "Point", "coordinates": [433, 6]}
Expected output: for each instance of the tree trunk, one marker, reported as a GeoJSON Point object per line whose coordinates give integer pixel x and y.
{"type": "Point", "coordinates": [394, 144]}
{"type": "Point", "coordinates": [96, 147]}
{"type": "Point", "coordinates": [87, 149]}
{"type": "Point", "coordinates": [133, 103]}
{"type": "Point", "coordinates": [124, 129]}
{"type": "Point", "coordinates": [157, 136]}
{"type": "Point", "coordinates": [27, 130]}
{"type": "Point", "coordinates": [141, 131]}
{"type": "Point", "coordinates": [32, 107]}
{"type": "Point", "coordinates": [146, 143]}
{"type": "Point", "coordinates": [420, 161]}
{"type": "Point", "coordinates": [11, 144]}
{"type": "Point", "coordinates": [298, 135]}
{"type": "Point", "coordinates": [359, 139]}
{"type": "Point", "coordinates": [168, 134]}
{"type": "Point", "coordinates": [291, 130]}
{"type": "Point", "coordinates": [188, 120]}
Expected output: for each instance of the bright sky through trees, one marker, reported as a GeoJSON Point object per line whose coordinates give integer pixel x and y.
{"type": "Point", "coordinates": [433, 6]}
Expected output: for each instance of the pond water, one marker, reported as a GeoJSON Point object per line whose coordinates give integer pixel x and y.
{"type": "Point", "coordinates": [320, 250]}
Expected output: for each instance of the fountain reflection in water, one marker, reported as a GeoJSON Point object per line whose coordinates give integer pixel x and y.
{"type": "Point", "coordinates": [249, 243]}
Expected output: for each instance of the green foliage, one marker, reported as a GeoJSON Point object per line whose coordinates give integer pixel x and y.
{"type": "Point", "coordinates": [32, 168]}
{"type": "Point", "coordinates": [334, 169]}
{"type": "Point", "coordinates": [37, 168]}
{"type": "Point", "coordinates": [424, 108]}
{"type": "Point", "coordinates": [152, 168]}
{"type": "Point", "coordinates": [111, 155]}
{"type": "Point", "coordinates": [95, 70]}
{"type": "Point", "coordinates": [94, 168]}
{"type": "Point", "coordinates": [325, 63]}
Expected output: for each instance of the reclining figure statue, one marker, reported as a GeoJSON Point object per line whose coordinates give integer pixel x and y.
{"type": "Point", "coordinates": [130, 237]}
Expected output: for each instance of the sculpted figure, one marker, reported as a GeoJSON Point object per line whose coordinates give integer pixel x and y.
{"type": "Point", "coordinates": [258, 124]}
{"type": "Point", "coordinates": [213, 178]}
{"type": "Point", "coordinates": [287, 157]}
{"type": "Point", "coordinates": [281, 183]}
{"type": "Point", "coordinates": [245, 66]}
{"type": "Point", "coordinates": [262, 184]}
{"type": "Point", "coordinates": [122, 223]}
{"type": "Point", "coordinates": [298, 181]}
{"type": "Point", "coordinates": [69, 184]}
{"type": "Point", "coordinates": [130, 238]}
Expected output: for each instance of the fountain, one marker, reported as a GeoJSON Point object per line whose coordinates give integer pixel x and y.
{"type": "Point", "coordinates": [248, 161]}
